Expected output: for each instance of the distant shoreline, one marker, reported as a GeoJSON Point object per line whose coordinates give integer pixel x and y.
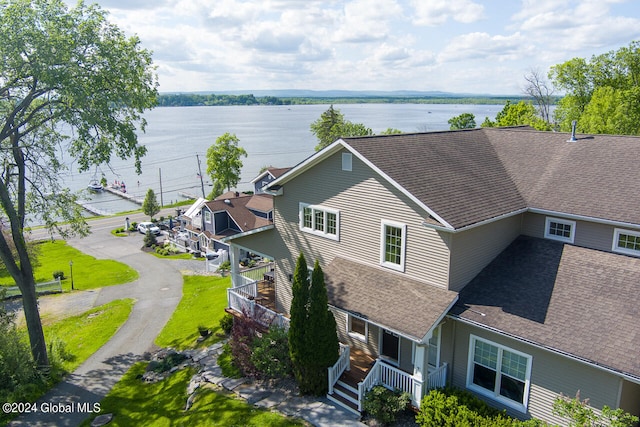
{"type": "Point", "coordinates": [198, 99]}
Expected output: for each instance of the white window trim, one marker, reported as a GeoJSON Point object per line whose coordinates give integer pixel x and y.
{"type": "Point", "coordinates": [569, 239]}
{"type": "Point", "coordinates": [347, 162]}
{"type": "Point", "coordinates": [312, 230]}
{"type": "Point", "coordinates": [356, 335]}
{"type": "Point", "coordinates": [387, 359]}
{"type": "Point", "coordinates": [522, 407]}
{"type": "Point", "coordinates": [437, 345]}
{"type": "Point", "coordinates": [383, 262]}
{"type": "Point", "coordinates": [616, 235]}
{"type": "Point", "coordinates": [207, 217]}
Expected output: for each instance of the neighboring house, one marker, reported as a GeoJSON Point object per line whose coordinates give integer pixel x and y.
{"type": "Point", "coordinates": [266, 177]}
{"type": "Point", "coordinates": [207, 223]}
{"type": "Point", "coordinates": [503, 260]}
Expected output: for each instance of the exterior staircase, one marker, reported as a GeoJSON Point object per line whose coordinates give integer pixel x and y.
{"type": "Point", "coordinates": [345, 395]}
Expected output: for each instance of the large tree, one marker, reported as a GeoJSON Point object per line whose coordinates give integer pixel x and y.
{"type": "Point", "coordinates": [223, 161]}
{"type": "Point", "coordinates": [610, 81]}
{"type": "Point", "coordinates": [321, 335]}
{"type": "Point", "coordinates": [298, 318]}
{"type": "Point", "coordinates": [522, 113]}
{"type": "Point", "coordinates": [463, 121]}
{"type": "Point", "coordinates": [71, 84]}
{"type": "Point", "coordinates": [541, 91]}
{"type": "Point", "coordinates": [332, 125]}
{"type": "Point", "coordinates": [150, 205]}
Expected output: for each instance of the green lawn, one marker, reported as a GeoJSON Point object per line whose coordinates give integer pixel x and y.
{"type": "Point", "coordinates": [135, 403]}
{"type": "Point", "coordinates": [84, 334]}
{"type": "Point", "coordinates": [88, 272]}
{"type": "Point", "coordinates": [204, 299]}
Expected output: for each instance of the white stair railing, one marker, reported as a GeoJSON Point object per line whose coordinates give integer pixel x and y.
{"type": "Point", "coordinates": [342, 364]}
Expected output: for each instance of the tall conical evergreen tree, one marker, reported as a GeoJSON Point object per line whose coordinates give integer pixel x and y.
{"type": "Point", "coordinates": [321, 337]}
{"type": "Point", "coordinates": [298, 319]}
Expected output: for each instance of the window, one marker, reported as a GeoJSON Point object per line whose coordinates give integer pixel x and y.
{"type": "Point", "coordinates": [499, 372]}
{"type": "Point", "coordinates": [347, 162]}
{"type": "Point", "coordinates": [434, 348]}
{"type": "Point", "coordinates": [559, 229]}
{"type": "Point", "coordinates": [207, 217]}
{"type": "Point", "coordinates": [626, 241]}
{"type": "Point", "coordinates": [320, 221]}
{"type": "Point", "coordinates": [357, 328]}
{"type": "Point", "coordinates": [393, 245]}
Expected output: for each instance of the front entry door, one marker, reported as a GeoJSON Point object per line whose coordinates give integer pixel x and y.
{"type": "Point", "coordinates": [390, 348]}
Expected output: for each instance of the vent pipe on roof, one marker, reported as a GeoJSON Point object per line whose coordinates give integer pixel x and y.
{"type": "Point", "coordinates": [573, 132]}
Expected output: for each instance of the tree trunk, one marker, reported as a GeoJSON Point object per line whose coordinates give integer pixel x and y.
{"type": "Point", "coordinates": [34, 324]}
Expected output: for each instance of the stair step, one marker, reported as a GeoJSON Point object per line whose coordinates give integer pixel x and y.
{"type": "Point", "coordinates": [342, 402]}
{"type": "Point", "coordinates": [347, 388]}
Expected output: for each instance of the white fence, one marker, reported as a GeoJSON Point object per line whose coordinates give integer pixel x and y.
{"type": "Point", "coordinates": [52, 287]}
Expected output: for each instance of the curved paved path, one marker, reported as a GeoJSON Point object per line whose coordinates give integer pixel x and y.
{"type": "Point", "coordinates": [157, 293]}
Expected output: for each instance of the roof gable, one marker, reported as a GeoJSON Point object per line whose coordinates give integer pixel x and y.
{"type": "Point", "coordinates": [463, 178]}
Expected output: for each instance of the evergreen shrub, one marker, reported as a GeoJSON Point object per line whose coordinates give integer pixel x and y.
{"type": "Point", "coordinates": [384, 405]}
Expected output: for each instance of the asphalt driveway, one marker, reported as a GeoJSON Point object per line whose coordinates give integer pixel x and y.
{"type": "Point", "coordinates": [156, 292]}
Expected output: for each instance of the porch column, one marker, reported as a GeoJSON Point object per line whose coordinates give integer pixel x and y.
{"type": "Point", "coordinates": [234, 260]}
{"type": "Point", "coordinates": [420, 372]}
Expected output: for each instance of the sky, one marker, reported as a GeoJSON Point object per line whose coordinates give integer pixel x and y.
{"type": "Point", "coordinates": [459, 46]}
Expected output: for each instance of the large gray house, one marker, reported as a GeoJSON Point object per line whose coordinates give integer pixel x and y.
{"type": "Point", "coordinates": [505, 261]}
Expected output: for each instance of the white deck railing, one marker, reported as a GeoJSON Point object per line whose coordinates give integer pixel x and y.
{"type": "Point", "coordinates": [342, 364]}
{"type": "Point", "coordinates": [242, 300]}
{"type": "Point", "coordinates": [396, 379]}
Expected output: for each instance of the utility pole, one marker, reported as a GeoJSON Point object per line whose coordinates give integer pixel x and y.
{"type": "Point", "coordinates": [200, 175]}
{"type": "Point", "coordinates": [160, 173]}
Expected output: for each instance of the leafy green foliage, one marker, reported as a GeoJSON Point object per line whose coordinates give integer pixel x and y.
{"type": "Point", "coordinates": [602, 93]}
{"type": "Point", "coordinates": [452, 407]}
{"type": "Point", "coordinates": [270, 354]}
{"type": "Point", "coordinates": [321, 338]}
{"type": "Point", "coordinates": [226, 323]}
{"type": "Point", "coordinates": [384, 405]}
{"type": "Point", "coordinates": [150, 205]}
{"type": "Point", "coordinates": [463, 121]}
{"type": "Point", "coordinates": [332, 125]}
{"type": "Point", "coordinates": [522, 113]}
{"type": "Point", "coordinates": [224, 161]}
{"type": "Point", "coordinates": [68, 79]}
{"type": "Point", "coordinates": [150, 240]}
{"type": "Point", "coordinates": [580, 414]}
{"type": "Point", "coordinates": [298, 318]}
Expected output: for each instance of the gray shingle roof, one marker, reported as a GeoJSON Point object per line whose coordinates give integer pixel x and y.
{"type": "Point", "coordinates": [475, 175]}
{"type": "Point", "coordinates": [575, 300]}
{"type": "Point", "coordinates": [406, 306]}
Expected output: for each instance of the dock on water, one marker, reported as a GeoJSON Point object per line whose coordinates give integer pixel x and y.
{"type": "Point", "coordinates": [118, 192]}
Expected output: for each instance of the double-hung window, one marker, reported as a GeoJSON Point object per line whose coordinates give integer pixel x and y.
{"type": "Point", "coordinates": [559, 229]}
{"type": "Point", "coordinates": [320, 221]}
{"type": "Point", "coordinates": [499, 372]}
{"type": "Point", "coordinates": [626, 241]}
{"type": "Point", "coordinates": [393, 244]}
{"type": "Point", "coordinates": [357, 328]}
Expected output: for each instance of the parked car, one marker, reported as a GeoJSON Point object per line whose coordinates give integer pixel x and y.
{"type": "Point", "coordinates": [143, 227]}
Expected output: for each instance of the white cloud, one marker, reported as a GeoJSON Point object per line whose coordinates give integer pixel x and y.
{"type": "Point", "coordinates": [438, 12]}
{"type": "Point", "coordinates": [482, 46]}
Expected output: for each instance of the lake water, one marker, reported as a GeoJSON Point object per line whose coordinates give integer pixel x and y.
{"type": "Point", "coordinates": [276, 136]}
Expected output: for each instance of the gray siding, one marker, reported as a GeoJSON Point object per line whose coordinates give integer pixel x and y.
{"type": "Point", "coordinates": [369, 347]}
{"type": "Point", "coordinates": [363, 200]}
{"type": "Point", "coordinates": [472, 250]}
{"type": "Point", "coordinates": [551, 375]}
{"type": "Point", "coordinates": [630, 400]}
{"type": "Point", "coordinates": [587, 234]}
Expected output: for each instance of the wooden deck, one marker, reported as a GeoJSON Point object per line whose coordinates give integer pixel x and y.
{"type": "Point", "coordinates": [266, 294]}
{"type": "Point", "coordinates": [361, 363]}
